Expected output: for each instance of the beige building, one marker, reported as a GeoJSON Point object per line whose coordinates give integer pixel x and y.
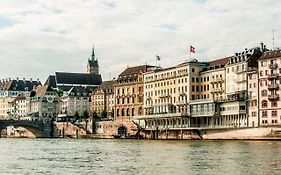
{"type": "Point", "coordinates": [102, 99]}
{"type": "Point", "coordinates": [44, 104]}
{"type": "Point", "coordinates": [76, 100]}
{"type": "Point", "coordinates": [234, 109]}
{"type": "Point", "coordinates": [253, 96]}
{"type": "Point", "coordinates": [129, 97]}
{"type": "Point", "coordinates": [205, 108]}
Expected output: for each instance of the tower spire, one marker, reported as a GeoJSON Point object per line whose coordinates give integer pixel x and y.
{"type": "Point", "coordinates": [93, 54]}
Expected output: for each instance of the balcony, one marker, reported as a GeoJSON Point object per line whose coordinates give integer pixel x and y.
{"type": "Point", "coordinates": [272, 76]}
{"type": "Point", "coordinates": [216, 80]}
{"type": "Point", "coordinates": [273, 97]}
{"type": "Point", "coordinates": [273, 66]}
{"type": "Point", "coordinates": [273, 87]}
{"type": "Point", "coordinates": [157, 116]}
{"type": "Point", "coordinates": [240, 80]}
{"type": "Point", "coordinates": [216, 90]}
{"type": "Point", "coordinates": [162, 95]}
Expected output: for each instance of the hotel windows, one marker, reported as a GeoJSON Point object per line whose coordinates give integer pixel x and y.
{"type": "Point", "coordinates": [264, 104]}
{"type": "Point", "coordinates": [273, 113]}
{"type": "Point", "coordinates": [264, 93]}
{"type": "Point", "coordinates": [264, 114]}
{"type": "Point", "coordinates": [263, 63]}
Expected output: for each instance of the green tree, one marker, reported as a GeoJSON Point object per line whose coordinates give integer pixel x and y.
{"type": "Point", "coordinates": [85, 114]}
{"type": "Point", "coordinates": [76, 115]}
{"type": "Point", "coordinates": [103, 114]}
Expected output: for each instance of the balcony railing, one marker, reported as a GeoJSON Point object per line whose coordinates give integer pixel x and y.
{"type": "Point", "coordinates": [215, 80]}
{"type": "Point", "coordinates": [216, 90]}
{"type": "Point", "coordinates": [273, 86]}
{"type": "Point", "coordinates": [272, 76]}
{"type": "Point", "coordinates": [273, 65]}
{"type": "Point", "coordinates": [273, 97]}
{"type": "Point", "coordinates": [153, 116]}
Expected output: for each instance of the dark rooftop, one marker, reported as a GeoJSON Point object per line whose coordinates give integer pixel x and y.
{"type": "Point", "coordinates": [270, 54]}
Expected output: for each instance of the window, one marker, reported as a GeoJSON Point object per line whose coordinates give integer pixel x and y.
{"type": "Point", "coordinates": [273, 113]}
{"type": "Point", "coordinates": [192, 70]}
{"type": "Point", "coordinates": [264, 114]}
{"type": "Point", "coordinates": [264, 93]}
{"type": "Point", "coordinates": [274, 104]}
{"type": "Point", "coordinates": [254, 114]}
{"type": "Point", "coordinates": [192, 79]}
{"type": "Point", "coordinates": [264, 104]}
{"type": "Point", "coordinates": [261, 73]}
{"type": "Point", "coordinates": [263, 63]}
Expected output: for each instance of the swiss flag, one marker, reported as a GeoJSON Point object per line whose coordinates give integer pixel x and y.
{"type": "Point", "coordinates": [192, 49]}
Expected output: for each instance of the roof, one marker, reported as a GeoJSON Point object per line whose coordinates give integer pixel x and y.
{"type": "Point", "coordinates": [51, 81]}
{"type": "Point", "coordinates": [39, 91]}
{"type": "Point", "coordinates": [219, 63]}
{"type": "Point", "coordinates": [19, 85]}
{"type": "Point", "coordinates": [135, 70]}
{"type": "Point", "coordinates": [78, 78]}
{"type": "Point", "coordinates": [271, 54]}
{"type": "Point", "coordinates": [107, 84]}
{"type": "Point", "coordinates": [78, 91]}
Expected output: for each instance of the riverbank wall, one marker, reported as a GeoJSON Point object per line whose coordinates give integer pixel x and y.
{"type": "Point", "coordinates": [247, 133]}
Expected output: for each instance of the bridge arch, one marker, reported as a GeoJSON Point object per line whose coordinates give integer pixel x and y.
{"type": "Point", "coordinates": [37, 128]}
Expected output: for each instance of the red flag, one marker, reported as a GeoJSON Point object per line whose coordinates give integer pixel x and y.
{"type": "Point", "coordinates": [192, 49]}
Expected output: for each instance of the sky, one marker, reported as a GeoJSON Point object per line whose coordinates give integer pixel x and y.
{"type": "Point", "coordinates": [40, 37]}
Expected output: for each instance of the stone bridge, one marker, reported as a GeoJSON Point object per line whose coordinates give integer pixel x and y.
{"type": "Point", "coordinates": [38, 128]}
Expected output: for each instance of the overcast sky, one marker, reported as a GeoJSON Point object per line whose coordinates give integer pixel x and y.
{"type": "Point", "coordinates": [39, 37]}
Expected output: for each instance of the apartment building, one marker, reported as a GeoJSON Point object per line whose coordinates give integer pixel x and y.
{"type": "Point", "coordinates": [253, 98]}
{"type": "Point", "coordinates": [129, 97]}
{"type": "Point", "coordinates": [269, 88]}
{"type": "Point", "coordinates": [102, 99]}
{"type": "Point", "coordinates": [9, 90]}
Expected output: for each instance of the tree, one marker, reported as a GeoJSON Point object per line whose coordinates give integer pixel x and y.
{"type": "Point", "coordinates": [85, 114]}
{"type": "Point", "coordinates": [76, 115]}
{"type": "Point", "coordinates": [103, 114]}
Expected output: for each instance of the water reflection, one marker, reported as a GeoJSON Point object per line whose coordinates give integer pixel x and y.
{"type": "Point", "coordinates": [70, 156]}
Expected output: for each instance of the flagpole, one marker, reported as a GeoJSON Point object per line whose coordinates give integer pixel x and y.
{"type": "Point", "coordinates": [189, 52]}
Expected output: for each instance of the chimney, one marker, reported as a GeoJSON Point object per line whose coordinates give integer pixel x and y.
{"type": "Point", "coordinates": [31, 79]}
{"type": "Point", "coordinates": [17, 78]}
{"type": "Point", "coordinates": [9, 79]}
{"type": "Point", "coordinates": [38, 80]}
{"type": "Point", "coordinates": [262, 47]}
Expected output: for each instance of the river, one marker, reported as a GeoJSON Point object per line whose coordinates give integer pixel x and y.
{"type": "Point", "coordinates": [78, 156]}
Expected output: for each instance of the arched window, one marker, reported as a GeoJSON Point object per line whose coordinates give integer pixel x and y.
{"type": "Point", "coordinates": [123, 112]}
{"type": "Point", "coordinates": [133, 111]}
{"type": "Point", "coordinates": [128, 112]}
{"type": "Point", "coordinates": [140, 110]}
{"type": "Point", "coordinates": [264, 104]}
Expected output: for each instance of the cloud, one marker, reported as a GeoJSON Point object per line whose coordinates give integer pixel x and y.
{"type": "Point", "coordinates": [40, 37]}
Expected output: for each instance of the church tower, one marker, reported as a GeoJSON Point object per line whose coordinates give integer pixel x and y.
{"type": "Point", "coordinates": [93, 66]}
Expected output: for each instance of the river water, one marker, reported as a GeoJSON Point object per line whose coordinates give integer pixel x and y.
{"type": "Point", "coordinates": [77, 156]}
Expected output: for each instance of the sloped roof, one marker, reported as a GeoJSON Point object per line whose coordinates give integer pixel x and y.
{"type": "Point", "coordinates": [76, 90]}
{"type": "Point", "coordinates": [219, 62]}
{"type": "Point", "coordinates": [19, 85]}
{"type": "Point", "coordinates": [271, 54]}
{"type": "Point", "coordinates": [78, 78]}
{"type": "Point", "coordinates": [135, 70]}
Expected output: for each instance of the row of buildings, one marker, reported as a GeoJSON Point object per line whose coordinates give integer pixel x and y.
{"type": "Point", "coordinates": [241, 90]}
